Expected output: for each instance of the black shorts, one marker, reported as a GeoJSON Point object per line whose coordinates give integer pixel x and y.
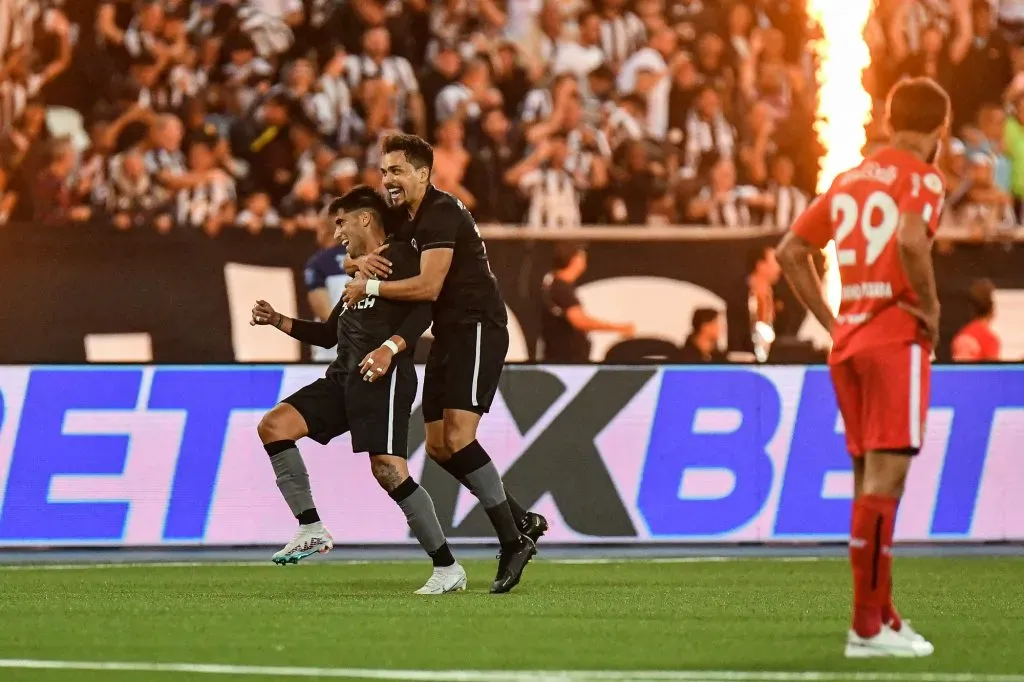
{"type": "Point", "coordinates": [463, 368]}
{"type": "Point", "coordinates": [376, 413]}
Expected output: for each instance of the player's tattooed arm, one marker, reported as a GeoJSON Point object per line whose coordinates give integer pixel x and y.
{"type": "Point", "coordinates": [915, 249]}
{"type": "Point", "coordinates": [794, 254]}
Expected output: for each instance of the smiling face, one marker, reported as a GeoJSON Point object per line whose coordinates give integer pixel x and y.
{"type": "Point", "coordinates": [355, 231]}
{"type": "Point", "coordinates": [403, 183]}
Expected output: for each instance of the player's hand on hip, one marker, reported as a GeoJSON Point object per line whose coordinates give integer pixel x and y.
{"type": "Point", "coordinates": [263, 313]}
{"type": "Point", "coordinates": [373, 264]}
{"type": "Point", "coordinates": [376, 364]}
{"type": "Point", "coordinates": [355, 291]}
{"type": "Point", "coordinates": [929, 319]}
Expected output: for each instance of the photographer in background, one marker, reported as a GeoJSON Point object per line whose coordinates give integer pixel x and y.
{"type": "Point", "coordinates": [564, 325]}
{"type": "Point", "coordinates": [702, 343]}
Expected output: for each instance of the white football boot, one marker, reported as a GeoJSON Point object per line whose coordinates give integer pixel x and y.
{"type": "Point", "coordinates": [910, 634]}
{"type": "Point", "coordinates": [886, 644]}
{"type": "Point", "coordinates": [310, 539]}
{"type": "Point", "coordinates": [445, 580]}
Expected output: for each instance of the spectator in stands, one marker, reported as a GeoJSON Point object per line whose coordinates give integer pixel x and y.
{"type": "Point", "coordinates": [622, 32]}
{"type": "Point", "coordinates": [784, 201]}
{"type": "Point", "coordinates": [565, 327]}
{"type": "Point", "coordinates": [300, 210]}
{"type": "Point", "coordinates": [648, 73]}
{"type": "Point", "coordinates": [987, 139]}
{"type": "Point", "coordinates": [705, 336]}
{"type": "Point", "coordinates": [977, 341]}
{"type": "Point", "coordinates": [209, 204]}
{"type": "Point", "coordinates": [130, 197]}
{"type": "Point", "coordinates": [465, 99]}
{"type": "Point", "coordinates": [550, 188]}
{"type": "Point", "coordinates": [451, 161]}
{"type": "Point", "coordinates": [378, 64]}
{"type": "Point", "coordinates": [510, 77]}
{"type": "Point", "coordinates": [258, 214]}
{"type": "Point", "coordinates": [986, 208]}
{"type": "Point", "coordinates": [1013, 144]}
{"type": "Point", "coordinates": [581, 56]}
{"type": "Point", "coordinates": [708, 135]}
{"type": "Point", "coordinates": [723, 204]}
{"type": "Point", "coordinates": [637, 183]}
{"type": "Point", "coordinates": [54, 202]}
{"type": "Point", "coordinates": [984, 72]}
{"type": "Point", "coordinates": [497, 200]}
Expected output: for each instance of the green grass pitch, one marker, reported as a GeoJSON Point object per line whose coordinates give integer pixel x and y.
{"type": "Point", "coordinates": [742, 615]}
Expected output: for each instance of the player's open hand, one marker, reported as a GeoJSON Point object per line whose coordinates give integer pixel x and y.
{"type": "Point", "coordinates": [355, 291]}
{"type": "Point", "coordinates": [928, 319]}
{"type": "Point", "coordinates": [376, 364]}
{"type": "Point", "coordinates": [264, 313]}
{"type": "Point", "coordinates": [374, 265]}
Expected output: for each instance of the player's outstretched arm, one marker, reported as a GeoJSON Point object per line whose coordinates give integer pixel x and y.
{"type": "Point", "coordinates": [426, 286]}
{"type": "Point", "coordinates": [323, 334]}
{"type": "Point", "coordinates": [794, 254]}
{"type": "Point", "coordinates": [915, 249]}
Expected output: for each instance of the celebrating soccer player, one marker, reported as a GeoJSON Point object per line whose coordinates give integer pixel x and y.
{"type": "Point", "coordinates": [368, 390]}
{"type": "Point", "coordinates": [882, 215]}
{"type": "Point", "coordinates": [470, 339]}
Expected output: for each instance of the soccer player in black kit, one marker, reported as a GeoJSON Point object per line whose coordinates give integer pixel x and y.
{"type": "Point", "coordinates": [368, 390]}
{"type": "Point", "coordinates": [470, 338]}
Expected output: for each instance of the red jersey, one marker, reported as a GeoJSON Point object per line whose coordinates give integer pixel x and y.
{"type": "Point", "coordinates": [976, 342]}
{"type": "Point", "coordinates": [861, 212]}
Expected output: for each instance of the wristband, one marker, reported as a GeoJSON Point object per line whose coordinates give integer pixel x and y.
{"type": "Point", "coordinates": [373, 287]}
{"type": "Point", "coordinates": [391, 346]}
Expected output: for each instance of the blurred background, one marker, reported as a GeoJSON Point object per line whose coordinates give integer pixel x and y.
{"type": "Point", "coordinates": [164, 164]}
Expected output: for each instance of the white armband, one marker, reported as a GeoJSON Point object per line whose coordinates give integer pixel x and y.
{"type": "Point", "coordinates": [373, 287]}
{"type": "Point", "coordinates": [390, 345]}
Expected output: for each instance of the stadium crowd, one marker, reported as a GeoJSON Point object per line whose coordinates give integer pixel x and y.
{"type": "Point", "coordinates": [221, 114]}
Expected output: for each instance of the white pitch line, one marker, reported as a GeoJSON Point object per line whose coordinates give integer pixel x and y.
{"type": "Point", "coordinates": [502, 675]}
{"type": "Point", "coordinates": [76, 566]}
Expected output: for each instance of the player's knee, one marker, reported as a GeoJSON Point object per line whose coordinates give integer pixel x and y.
{"type": "Point", "coordinates": [273, 427]}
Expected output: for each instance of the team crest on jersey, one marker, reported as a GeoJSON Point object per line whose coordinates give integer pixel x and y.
{"type": "Point", "coordinates": [413, 242]}
{"type": "Point", "coordinates": [933, 183]}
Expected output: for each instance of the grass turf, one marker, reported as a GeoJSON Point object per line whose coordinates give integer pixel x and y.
{"type": "Point", "coordinates": [733, 615]}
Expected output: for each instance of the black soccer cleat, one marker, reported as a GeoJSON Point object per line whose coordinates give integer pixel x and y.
{"type": "Point", "coordinates": [511, 564]}
{"type": "Point", "coordinates": [534, 526]}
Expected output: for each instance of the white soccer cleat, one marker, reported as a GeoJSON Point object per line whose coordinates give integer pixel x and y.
{"type": "Point", "coordinates": [886, 644]}
{"type": "Point", "coordinates": [910, 634]}
{"type": "Point", "coordinates": [445, 580]}
{"type": "Point", "coordinates": [310, 539]}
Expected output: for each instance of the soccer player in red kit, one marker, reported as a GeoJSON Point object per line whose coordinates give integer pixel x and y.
{"type": "Point", "coordinates": [882, 215]}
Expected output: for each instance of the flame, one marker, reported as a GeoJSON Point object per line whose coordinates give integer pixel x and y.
{"type": "Point", "coordinates": [843, 105]}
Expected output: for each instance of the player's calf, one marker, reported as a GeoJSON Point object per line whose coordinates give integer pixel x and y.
{"type": "Point", "coordinates": [392, 474]}
{"type": "Point", "coordinates": [278, 430]}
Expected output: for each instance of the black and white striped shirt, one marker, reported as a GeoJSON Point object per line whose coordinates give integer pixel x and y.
{"type": "Point", "coordinates": [137, 41]}
{"type": "Point", "coordinates": [451, 98]}
{"type": "Point", "coordinates": [732, 211]}
{"type": "Point", "coordinates": [196, 205]}
{"type": "Point", "coordinates": [537, 106]}
{"type": "Point", "coordinates": [332, 105]}
{"type": "Point", "coordinates": [160, 160]}
{"type": "Point", "coordinates": [121, 194]}
{"type": "Point", "coordinates": [394, 70]}
{"type": "Point", "coordinates": [790, 202]}
{"type": "Point", "coordinates": [554, 201]}
{"type": "Point", "coordinates": [621, 36]}
{"type": "Point", "coordinates": [703, 137]}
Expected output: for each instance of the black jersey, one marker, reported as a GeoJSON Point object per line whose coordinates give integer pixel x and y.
{"type": "Point", "coordinates": [470, 291]}
{"type": "Point", "coordinates": [364, 327]}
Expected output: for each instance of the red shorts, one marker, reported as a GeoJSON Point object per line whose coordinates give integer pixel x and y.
{"type": "Point", "coordinates": [883, 397]}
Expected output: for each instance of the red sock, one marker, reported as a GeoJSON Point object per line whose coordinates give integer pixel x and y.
{"type": "Point", "coordinates": [874, 518]}
{"type": "Point", "coordinates": [890, 616]}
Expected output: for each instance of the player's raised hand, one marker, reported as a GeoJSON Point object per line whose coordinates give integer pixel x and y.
{"type": "Point", "coordinates": [376, 364]}
{"type": "Point", "coordinates": [374, 264]}
{"type": "Point", "coordinates": [355, 291]}
{"type": "Point", "coordinates": [263, 313]}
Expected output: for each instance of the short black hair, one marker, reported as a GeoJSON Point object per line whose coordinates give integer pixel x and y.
{"type": "Point", "coordinates": [564, 252]}
{"type": "Point", "coordinates": [360, 198]}
{"type": "Point", "coordinates": [701, 317]}
{"type": "Point", "coordinates": [917, 105]}
{"type": "Point", "coordinates": [417, 151]}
